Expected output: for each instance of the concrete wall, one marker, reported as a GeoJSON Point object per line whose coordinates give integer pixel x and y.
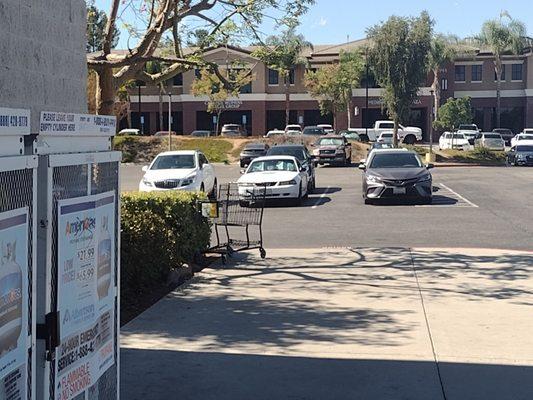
{"type": "Point", "coordinates": [42, 56]}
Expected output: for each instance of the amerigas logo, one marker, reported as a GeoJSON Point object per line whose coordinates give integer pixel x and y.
{"type": "Point", "coordinates": [79, 226]}
{"type": "Point", "coordinates": [79, 315]}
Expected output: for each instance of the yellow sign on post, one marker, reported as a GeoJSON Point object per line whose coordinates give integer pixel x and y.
{"type": "Point", "coordinates": [210, 209]}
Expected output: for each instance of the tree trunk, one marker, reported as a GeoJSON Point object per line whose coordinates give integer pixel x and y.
{"type": "Point", "coordinates": [105, 91]}
{"type": "Point", "coordinates": [218, 122]}
{"type": "Point", "coordinates": [436, 104]}
{"type": "Point", "coordinates": [498, 69]}
{"type": "Point", "coordinates": [161, 119]}
{"type": "Point", "coordinates": [395, 132]}
{"type": "Point", "coordinates": [128, 115]}
{"type": "Point", "coordinates": [335, 120]}
{"type": "Point", "coordinates": [287, 99]}
{"type": "Point", "coordinates": [349, 111]}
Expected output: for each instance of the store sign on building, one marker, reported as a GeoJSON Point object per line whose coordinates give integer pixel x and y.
{"type": "Point", "coordinates": [86, 275]}
{"type": "Point", "coordinates": [14, 330]}
{"type": "Point", "coordinates": [226, 104]}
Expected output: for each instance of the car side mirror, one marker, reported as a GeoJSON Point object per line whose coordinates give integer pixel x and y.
{"type": "Point", "coordinates": [362, 166]}
{"type": "Point", "coordinates": [145, 168]}
{"type": "Point", "coordinates": [430, 165]}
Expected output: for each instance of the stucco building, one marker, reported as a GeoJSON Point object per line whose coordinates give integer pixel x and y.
{"type": "Point", "coordinates": [261, 105]}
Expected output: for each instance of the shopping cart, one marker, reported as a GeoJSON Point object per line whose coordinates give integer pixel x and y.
{"type": "Point", "coordinates": [237, 207]}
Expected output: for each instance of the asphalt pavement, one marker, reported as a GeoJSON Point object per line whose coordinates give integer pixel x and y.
{"type": "Point", "coordinates": [475, 207]}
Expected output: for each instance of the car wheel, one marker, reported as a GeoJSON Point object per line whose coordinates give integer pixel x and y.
{"type": "Point", "coordinates": [313, 186]}
{"type": "Point", "coordinates": [427, 201]}
{"type": "Point", "coordinates": [298, 200]}
{"type": "Point", "coordinates": [202, 188]}
{"type": "Point", "coordinates": [213, 194]}
{"type": "Point", "coordinates": [369, 201]}
{"type": "Point", "coordinates": [409, 139]}
{"type": "Point", "coordinates": [243, 164]}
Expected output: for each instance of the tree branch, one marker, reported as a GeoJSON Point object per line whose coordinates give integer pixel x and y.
{"type": "Point", "coordinates": [110, 27]}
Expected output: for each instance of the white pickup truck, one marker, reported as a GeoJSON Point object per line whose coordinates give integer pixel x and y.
{"type": "Point", "coordinates": [406, 134]}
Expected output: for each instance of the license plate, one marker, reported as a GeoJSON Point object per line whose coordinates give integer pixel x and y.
{"type": "Point", "coordinates": [398, 190]}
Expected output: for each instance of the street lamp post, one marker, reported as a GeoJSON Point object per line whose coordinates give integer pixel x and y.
{"type": "Point", "coordinates": [432, 118]}
{"type": "Point", "coordinates": [141, 122]}
{"type": "Point", "coordinates": [169, 121]}
{"type": "Point", "coordinates": [366, 96]}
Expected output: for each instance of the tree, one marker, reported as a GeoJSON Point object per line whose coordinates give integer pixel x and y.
{"type": "Point", "coordinates": [332, 85]}
{"type": "Point", "coordinates": [198, 38]}
{"type": "Point", "coordinates": [283, 54]}
{"type": "Point", "coordinates": [399, 56]}
{"type": "Point", "coordinates": [96, 25]}
{"type": "Point", "coordinates": [502, 36]}
{"type": "Point", "coordinates": [167, 20]}
{"type": "Point", "coordinates": [219, 95]}
{"type": "Point", "coordinates": [454, 113]}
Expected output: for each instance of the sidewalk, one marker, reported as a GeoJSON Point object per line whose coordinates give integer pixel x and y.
{"type": "Point", "coordinates": [340, 324]}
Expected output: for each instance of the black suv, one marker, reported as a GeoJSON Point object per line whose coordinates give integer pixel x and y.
{"type": "Point", "coordinates": [300, 152]}
{"type": "Point", "coordinates": [507, 134]}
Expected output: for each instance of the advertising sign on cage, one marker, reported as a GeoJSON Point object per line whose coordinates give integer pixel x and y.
{"type": "Point", "coordinates": [59, 123]}
{"type": "Point", "coordinates": [85, 292]}
{"type": "Point", "coordinates": [13, 303]}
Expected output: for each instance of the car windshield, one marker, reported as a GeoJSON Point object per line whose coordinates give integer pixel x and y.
{"type": "Point", "coordinates": [382, 146]}
{"type": "Point", "coordinates": [176, 161]}
{"type": "Point", "coordinates": [299, 153]}
{"type": "Point", "coordinates": [313, 131]}
{"type": "Point", "coordinates": [272, 165]}
{"type": "Point", "coordinates": [468, 127]}
{"type": "Point", "coordinates": [395, 160]}
{"type": "Point", "coordinates": [528, 149]}
{"type": "Point", "coordinates": [330, 142]}
{"type": "Point", "coordinates": [525, 137]}
{"type": "Point", "coordinates": [492, 136]}
{"type": "Point", "coordinates": [231, 127]}
{"type": "Point", "coordinates": [386, 135]}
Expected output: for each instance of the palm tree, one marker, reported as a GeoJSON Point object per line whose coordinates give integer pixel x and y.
{"type": "Point", "coordinates": [502, 36]}
{"type": "Point", "coordinates": [283, 53]}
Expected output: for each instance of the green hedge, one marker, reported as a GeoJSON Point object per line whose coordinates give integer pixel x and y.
{"type": "Point", "coordinates": [159, 232]}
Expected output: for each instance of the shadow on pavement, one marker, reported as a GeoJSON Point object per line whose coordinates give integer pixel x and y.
{"type": "Point", "coordinates": [220, 376]}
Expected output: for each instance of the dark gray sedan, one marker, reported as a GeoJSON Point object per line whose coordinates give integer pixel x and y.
{"type": "Point", "coordinates": [521, 154]}
{"type": "Point", "coordinates": [396, 174]}
{"type": "Point", "coordinates": [252, 151]}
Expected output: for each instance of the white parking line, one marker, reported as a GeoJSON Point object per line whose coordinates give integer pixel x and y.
{"type": "Point", "coordinates": [459, 196]}
{"type": "Point", "coordinates": [321, 197]}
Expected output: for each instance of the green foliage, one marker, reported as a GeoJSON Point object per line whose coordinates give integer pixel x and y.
{"type": "Point", "coordinates": [454, 113]}
{"type": "Point", "coordinates": [215, 149]}
{"type": "Point", "coordinates": [332, 85]}
{"type": "Point", "coordinates": [399, 58]}
{"type": "Point", "coordinates": [159, 232]}
{"type": "Point", "coordinates": [96, 24]}
{"type": "Point", "coordinates": [502, 36]}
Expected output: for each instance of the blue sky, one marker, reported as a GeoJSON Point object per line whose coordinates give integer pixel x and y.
{"type": "Point", "coordinates": [331, 21]}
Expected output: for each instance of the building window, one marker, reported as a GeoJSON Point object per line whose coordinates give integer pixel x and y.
{"type": "Point", "coordinates": [477, 73]}
{"type": "Point", "coordinates": [291, 77]}
{"type": "Point", "coordinates": [503, 74]}
{"type": "Point", "coordinates": [273, 77]}
{"type": "Point", "coordinates": [177, 80]}
{"type": "Point", "coordinates": [444, 84]}
{"type": "Point", "coordinates": [246, 88]}
{"type": "Point", "coordinates": [460, 73]}
{"type": "Point", "coordinates": [516, 72]}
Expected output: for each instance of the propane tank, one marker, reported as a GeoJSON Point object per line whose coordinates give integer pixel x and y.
{"type": "Point", "coordinates": [104, 260]}
{"type": "Point", "coordinates": [10, 298]}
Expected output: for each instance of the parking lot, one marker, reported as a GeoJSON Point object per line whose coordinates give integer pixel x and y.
{"type": "Point", "coordinates": [475, 207]}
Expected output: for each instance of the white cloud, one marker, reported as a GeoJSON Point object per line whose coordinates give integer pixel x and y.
{"type": "Point", "coordinates": [323, 21]}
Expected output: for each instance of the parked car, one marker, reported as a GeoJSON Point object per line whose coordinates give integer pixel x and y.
{"type": "Point", "coordinates": [378, 145]}
{"type": "Point", "coordinates": [507, 134]}
{"type": "Point", "coordinates": [164, 133]}
{"type": "Point", "coordinates": [134, 132]}
{"type": "Point", "coordinates": [187, 170]}
{"type": "Point", "coordinates": [252, 151]}
{"type": "Point", "coordinates": [313, 131]}
{"type": "Point", "coordinates": [332, 150]}
{"type": "Point", "coordinates": [396, 173]}
{"type": "Point", "coordinates": [489, 140]}
{"type": "Point", "coordinates": [386, 137]}
{"type": "Point", "coordinates": [293, 133]}
{"type": "Point", "coordinates": [233, 130]}
{"type": "Point", "coordinates": [350, 134]}
{"type": "Point", "coordinates": [201, 133]}
{"type": "Point", "coordinates": [302, 154]}
{"type": "Point", "coordinates": [521, 155]}
{"type": "Point", "coordinates": [527, 131]}
{"type": "Point", "coordinates": [458, 141]}
{"type": "Point", "coordinates": [274, 132]}
{"type": "Point", "coordinates": [293, 127]}
{"type": "Point", "coordinates": [469, 131]}
{"type": "Point", "coordinates": [282, 178]}
{"type": "Point", "coordinates": [327, 128]}
{"type": "Point", "coordinates": [406, 134]}
{"type": "Point", "coordinates": [520, 138]}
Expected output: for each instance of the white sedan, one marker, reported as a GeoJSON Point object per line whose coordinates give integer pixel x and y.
{"type": "Point", "coordinates": [281, 177]}
{"type": "Point", "coordinates": [521, 137]}
{"type": "Point", "coordinates": [457, 141]}
{"type": "Point", "coordinates": [179, 170]}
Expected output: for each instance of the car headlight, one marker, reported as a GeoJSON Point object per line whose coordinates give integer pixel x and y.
{"type": "Point", "coordinates": [373, 179]}
{"type": "Point", "coordinates": [287, 183]}
{"type": "Point", "coordinates": [188, 181]}
{"type": "Point", "coordinates": [316, 152]}
{"type": "Point", "coordinates": [425, 178]}
{"type": "Point", "coordinates": [146, 182]}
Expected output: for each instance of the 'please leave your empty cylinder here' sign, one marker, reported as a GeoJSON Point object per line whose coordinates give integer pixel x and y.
{"type": "Point", "coordinates": [69, 124]}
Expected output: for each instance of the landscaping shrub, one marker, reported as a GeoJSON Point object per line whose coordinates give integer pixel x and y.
{"type": "Point", "coordinates": [159, 232]}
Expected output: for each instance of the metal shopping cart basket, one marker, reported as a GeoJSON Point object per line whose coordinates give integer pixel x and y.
{"type": "Point", "coordinates": [237, 206]}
